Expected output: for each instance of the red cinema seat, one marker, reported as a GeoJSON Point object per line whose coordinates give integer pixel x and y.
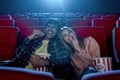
{"type": "Point", "coordinates": [8, 42]}
{"type": "Point", "coordinates": [110, 75]}
{"type": "Point", "coordinates": [12, 73]}
{"type": "Point", "coordinates": [97, 33]}
{"type": "Point", "coordinates": [108, 24]}
{"type": "Point", "coordinates": [79, 22]}
{"type": "Point", "coordinates": [116, 44]}
{"type": "Point", "coordinates": [23, 23]}
{"type": "Point", "coordinates": [6, 22]}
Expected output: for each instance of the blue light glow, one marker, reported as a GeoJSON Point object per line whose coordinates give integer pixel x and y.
{"type": "Point", "coordinates": [56, 4]}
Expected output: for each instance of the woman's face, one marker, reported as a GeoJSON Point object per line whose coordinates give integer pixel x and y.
{"type": "Point", "coordinates": [68, 35]}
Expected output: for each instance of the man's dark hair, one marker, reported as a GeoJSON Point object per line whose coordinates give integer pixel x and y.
{"type": "Point", "coordinates": [55, 22]}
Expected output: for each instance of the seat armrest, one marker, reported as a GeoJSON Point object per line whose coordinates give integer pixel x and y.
{"type": "Point", "coordinates": [5, 62]}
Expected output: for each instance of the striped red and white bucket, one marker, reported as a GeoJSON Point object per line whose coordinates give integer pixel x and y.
{"type": "Point", "coordinates": [103, 64]}
{"type": "Point", "coordinates": [42, 68]}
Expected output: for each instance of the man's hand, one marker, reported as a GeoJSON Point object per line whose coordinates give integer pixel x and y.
{"type": "Point", "coordinates": [36, 33]}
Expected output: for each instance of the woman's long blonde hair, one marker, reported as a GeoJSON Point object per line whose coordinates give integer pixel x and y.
{"type": "Point", "coordinates": [68, 46]}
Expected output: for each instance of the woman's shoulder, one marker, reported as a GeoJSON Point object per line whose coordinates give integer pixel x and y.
{"type": "Point", "coordinates": [89, 39]}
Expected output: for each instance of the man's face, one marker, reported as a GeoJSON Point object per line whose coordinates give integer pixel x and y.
{"type": "Point", "coordinates": [50, 31]}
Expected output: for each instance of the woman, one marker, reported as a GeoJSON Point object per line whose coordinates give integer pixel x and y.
{"type": "Point", "coordinates": [82, 51]}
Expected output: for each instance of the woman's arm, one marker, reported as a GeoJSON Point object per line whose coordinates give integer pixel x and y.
{"type": "Point", "coordinates": [91, 51]}
{"type": "Point", "coordinates": [92, 47]}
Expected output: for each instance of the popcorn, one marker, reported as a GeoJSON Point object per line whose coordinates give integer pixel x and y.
{"type": "Point", "coordinates": [46, 57]}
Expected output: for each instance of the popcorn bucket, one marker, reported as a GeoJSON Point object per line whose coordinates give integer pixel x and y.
{"type": "Point", "coordinates": [103, 64]}
{"type": "Point", "coordinates": [42, 68]}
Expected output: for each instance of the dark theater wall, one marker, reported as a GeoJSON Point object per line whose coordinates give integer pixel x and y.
{"type": "Point", "coordinates": [82, 6]}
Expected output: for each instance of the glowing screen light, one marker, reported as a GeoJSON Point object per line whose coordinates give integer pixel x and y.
{"type": "Point", "coordinates": [53, 3]}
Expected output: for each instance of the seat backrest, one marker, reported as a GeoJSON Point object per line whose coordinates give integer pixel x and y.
{"type": "Point", "coordinates": [23, 23]}
{"type": "Point", "coordinates": [97, 33]}
{"type": "Point", "coordinates": [108, 24]}
{"type": "Point", "coordinates": [6, 22]}
{"type": "Point", "coordinates": [110, 75]}
{"type": "Point", "coordinates": [116, 43]}
{"type": "Point", "coordinates": [8, 42]}
{"type": "Point", "coordinates": [78, 22]}
{"type": "Point", "coordinates": [12, 73]}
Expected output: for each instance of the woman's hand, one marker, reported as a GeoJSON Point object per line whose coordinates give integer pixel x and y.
{"type": "Point", "coordinates": [99, 67]}
{"type": "Point", "coordinates": [73, 39]}
{"type": "Point", "coordinates": [36, 33]}
{"type": "Point", "coordinates": [36, 60]}
{"type": "Point", "coordinates": [74, 42]}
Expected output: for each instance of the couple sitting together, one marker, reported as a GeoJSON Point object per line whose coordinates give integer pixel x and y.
{"type": "Point", "coordinates": [71, 56]}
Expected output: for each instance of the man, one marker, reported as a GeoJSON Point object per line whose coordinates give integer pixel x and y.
{"type": "Point", "coordinates": [26, 54]}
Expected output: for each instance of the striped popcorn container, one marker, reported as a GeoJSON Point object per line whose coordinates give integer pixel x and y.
{"type": "Point", "coordinates": [42, 68]}
{"type": "Point", "coordinates": [103, 64]}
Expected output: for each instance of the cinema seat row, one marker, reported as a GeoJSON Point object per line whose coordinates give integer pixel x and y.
{"type": "Point", "coordinates": [100, 29]}
{"type": "Point", "coordinates": [71, 21]}
{"type": "Point", "coordinates": [8, 39]}
{"type": "Point", "coordinates": [12, 73]}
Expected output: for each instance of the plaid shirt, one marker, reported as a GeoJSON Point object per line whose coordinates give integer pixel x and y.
{"type": "Point", "coordinates": [59, 54]}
